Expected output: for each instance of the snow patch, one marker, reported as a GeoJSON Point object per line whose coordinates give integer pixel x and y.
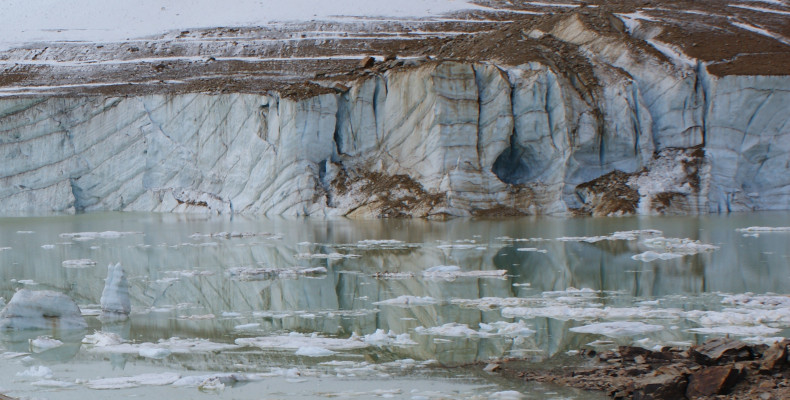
{"type": "Point", "coordinates": [761, 9]}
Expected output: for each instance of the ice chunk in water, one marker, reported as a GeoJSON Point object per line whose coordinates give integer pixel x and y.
{"type": "Point", "coordinates": [43, 309]}
{"type": "Point", "coordinates": [314, 351]}
{"type": "Point", "coordinates": [81, 263]}
{"type": "Point", "coordinates": [44, 343]}
{"type": "Point", "coordinates": [154, 352]}
{"type": "Point", "coordinates": [618, 329]}
{"type": "Point", "coordinates": [115, 300]}
{"type": "Point", "coordinates": [506, 395]}
{"type": "Point", "coordinates": [38, 371]}
{"type": "Point", "coordinates": [407, 301]}
{"type": "Point", "coordinates": [649, 256]}
{"type": "Point", "coordinates": [103, 339]}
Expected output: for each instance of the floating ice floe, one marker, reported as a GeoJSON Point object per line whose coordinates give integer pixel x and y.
{"type": "Point", "coordinates": [82, 236]}
{"type": "Point", "coordinates": [51, 383]}
{"type": "Point", "coordinates": [393, 275]}
{"type": "Point", "coordinates": [254, 274]}
{"type": "Point", "coordinates": [36, 371]}
{"type": "Point", "coordinates": [506, 395]}
{"type": "Point", "coordinates": [671, 248]}
{"type": "Point", "coordinates": [566, 312]}
{"type": "Point", "coordinates": [763, 340]}
{"type": "Point", "coordinates": [189, 273]}
{"type": "Point", "coordinates": [387, 244]}
{"type": "Point", "coordinates": [330, 256]}
{"type": "Point", "coordinates": [102, 339]}
{"type": "Point", "coordinates": [81, 263]}
{"type": "Point", "coordinates": [41, 310]}
{"type": "Point", "coordinates": [736, 330]}
{"type": "Point", "coordinates": [155, 379]}
{"type": "Point", "coordinates": [103, 342]}
{"type": "Point", "coordinates": [155, 353]}
{"type": "Point", "coordinates": [571, 291]}
{"type": "Point", "coordinates": [450, 272]}
{"type": "Point", "coordinates": [766, 301]}
{"type": "Point", "coordinates": [764, 229]}
{"type": "Point", "coordinates": [679, 245]}
{"type": "Point", "coordinates": [618, 328]}
{"type": "Point", "coordinates": [244, 327]}
{"type": "Point", "coordinates": [488, 303]}
{"type": "Point", "coordinates": [498, 328]}
{"type": "Point", "coordinates": [314, 351]}
{"type": "Point", "coordinates": [750, 315]}
{"type": "Point", "coordinates": [621, 235]}
{"type": "Point", "coordinates": [44, 343]}
{"type": "Point", "coordinates": [4, 248]}
{"type": "Point", "coordinates": [459, 246]}
{"type": "Point", "coordinates": [510, 239]}
{"type": "Point", "coordinates": [235, 235]}
{"type": "Point", "coordinates": [197, 317]}
{"type": "Point", "coordinates": [115, 301]}
{"type": "Point", "coordinates": [408, 301]}
{"type": "Point", "coordinates": [213, 381]}
{"type": "Point", "coordinates": [449, 329]}
{"type": "Point", "coordinates": [12, 354]}
{"type": "Point", "coordinates": [532, 249]}
{"type": "Point", "coordinates": [504, 328]}
{"type": "Point", "coordinates": [48, 246]}
{"type": "Point", "coordinates": [294, 341]}
{"type": "Point", "coordinates": [381, 338]}
{"type": "Point", "coordinates": [649, 256]}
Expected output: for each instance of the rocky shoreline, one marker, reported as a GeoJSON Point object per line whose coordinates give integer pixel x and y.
{"type": "Point", "coordinates": [720, 368]}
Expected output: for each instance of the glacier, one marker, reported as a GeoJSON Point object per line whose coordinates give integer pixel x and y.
{"type": "Point", "coordinates": [609, 129]}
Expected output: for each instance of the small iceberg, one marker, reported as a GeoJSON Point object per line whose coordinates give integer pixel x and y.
{"type": "Point", "coordinates": [115, 302]}
{"type": "Point", "coordinates": [42, 309]}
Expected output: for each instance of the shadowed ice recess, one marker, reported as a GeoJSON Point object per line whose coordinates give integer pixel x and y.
{"type": "Point", "coordinates": [299, 308]}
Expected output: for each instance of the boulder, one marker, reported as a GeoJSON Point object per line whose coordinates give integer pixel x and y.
{"type": "Point", "coordinates": [670, 386]}
{"type": "Point", "coordinates": [43, 309]}
{"type": "Point", "coordinates": [366, 62]}
{"type": "Point", "coordinates": [774, 356]}
{"type": "Point", "coordinates": [721, 349]}
{"type": "Point", "coordinates": [713, 380]}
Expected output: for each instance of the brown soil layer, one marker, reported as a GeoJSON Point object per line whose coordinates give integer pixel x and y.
{"type": "Point", "coordinates": [718, 369]}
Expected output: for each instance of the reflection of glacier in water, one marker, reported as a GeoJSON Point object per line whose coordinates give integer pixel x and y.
{"type": "Point", "coordinates": [277, 306]}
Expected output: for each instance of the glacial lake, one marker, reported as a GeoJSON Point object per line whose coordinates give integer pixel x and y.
{"type": "Point", "coordinates": [249, 308]}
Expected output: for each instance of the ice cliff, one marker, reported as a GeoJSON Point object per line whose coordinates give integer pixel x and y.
{"type": "Point", "coordinates": [570, 117]}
